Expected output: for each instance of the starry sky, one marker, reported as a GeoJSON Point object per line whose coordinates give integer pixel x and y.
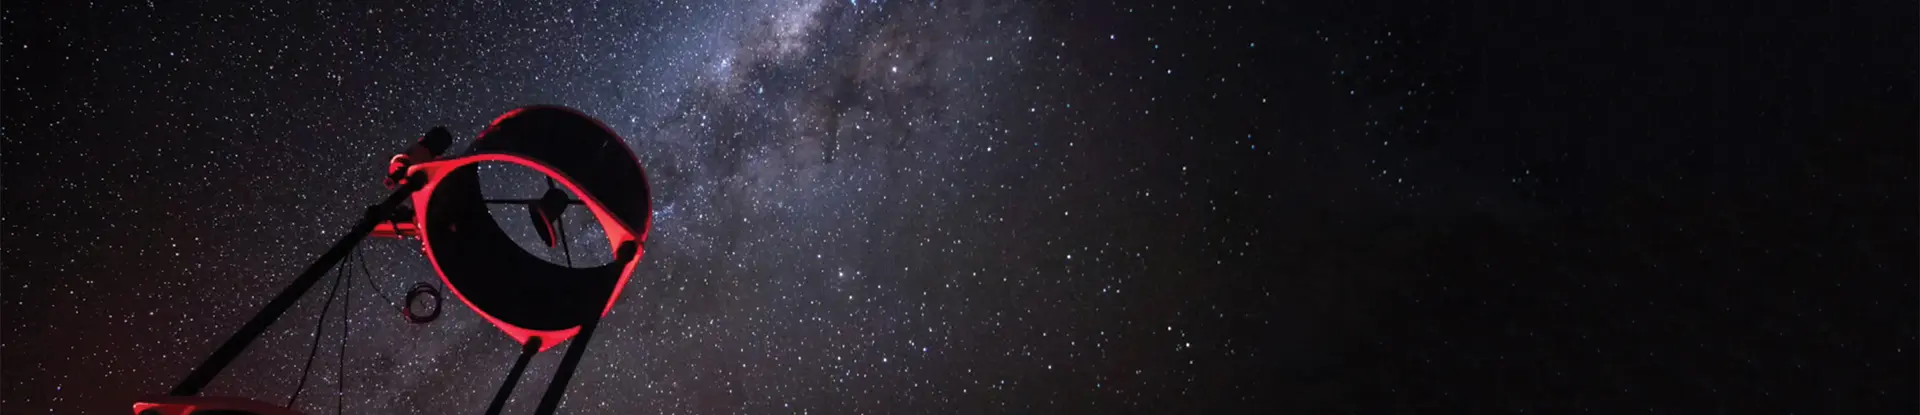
{"type": "Point", "coordinates": [886, 206]}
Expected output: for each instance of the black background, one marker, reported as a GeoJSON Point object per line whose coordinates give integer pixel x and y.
{"type": "Point", "coordinates": [1261, 207]}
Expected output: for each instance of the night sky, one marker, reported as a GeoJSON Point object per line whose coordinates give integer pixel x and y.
{"type": "Point", "coordinates": [884, 206]}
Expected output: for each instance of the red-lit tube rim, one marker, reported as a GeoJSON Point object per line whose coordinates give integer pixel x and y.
{"type": "Point", "coordinates": [617, 230]}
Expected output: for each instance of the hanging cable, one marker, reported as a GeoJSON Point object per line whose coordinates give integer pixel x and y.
{"type": "Point", "coordinates": [346, 333]}
{"type": "Point", "coordinates": [566, 244]}
{"type": "Point", "coordinates": [418, 289]}
{"type": "Point", "coordinates": [317, 327]}
{"type": "Point", "coordinates": [367, 276]}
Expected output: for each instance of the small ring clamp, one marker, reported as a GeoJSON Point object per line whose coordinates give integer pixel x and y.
{"type": "Point", "coordinates": [420, 289]}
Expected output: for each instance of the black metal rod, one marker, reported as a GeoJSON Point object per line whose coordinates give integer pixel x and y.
{"type": "Point", "coordinates": [207, 370]}
{"type": "Point", "coordinates": [513, 376]}
{"type": "Point", "coordinates": [557, 388]}
{"type": "Point", "coordinates": [566, 245]}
